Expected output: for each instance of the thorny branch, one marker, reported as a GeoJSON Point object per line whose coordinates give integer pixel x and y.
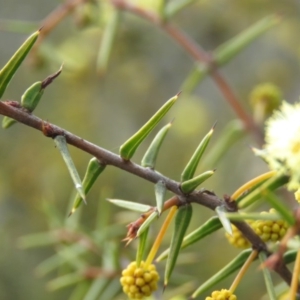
{"type": "Point", "coordinates": [202, 197]}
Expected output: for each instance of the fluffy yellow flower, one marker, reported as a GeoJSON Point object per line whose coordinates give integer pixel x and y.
{"type": "Point", "coordinates": [282, 148]}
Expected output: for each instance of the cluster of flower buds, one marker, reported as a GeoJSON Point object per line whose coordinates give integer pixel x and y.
{"type": "Point", "coordinates": [140, 281]}
{"type": "Point", "coordinates": [237, 239]}
{"type": "Point", "coordinates": [267, 230]}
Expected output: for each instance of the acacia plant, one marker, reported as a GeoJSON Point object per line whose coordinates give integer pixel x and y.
{"type": "Point", "coordinates": [270, 237]}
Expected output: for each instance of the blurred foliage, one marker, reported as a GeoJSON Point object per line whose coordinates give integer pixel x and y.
{"type": "Point", "coordinates": [144, 69]}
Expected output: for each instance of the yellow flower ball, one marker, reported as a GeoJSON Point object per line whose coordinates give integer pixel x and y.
{"type": "Point", "coordinates": [237, 239]}
{"type": "Point", "coordinates": [222, 295]}
{"type": "Point", "coordinates": [269, 230]}
{"type": "Point", "coordinates": [139, 282]}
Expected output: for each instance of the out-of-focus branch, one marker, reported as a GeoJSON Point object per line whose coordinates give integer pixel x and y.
{"type": "Point", "coordinates": [198, 54]}
{"type": "Point", "coordinates": [55, 17]}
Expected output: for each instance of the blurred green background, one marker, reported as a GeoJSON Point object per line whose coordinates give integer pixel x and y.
{"type": "Point", "coordinates": [145, 69]}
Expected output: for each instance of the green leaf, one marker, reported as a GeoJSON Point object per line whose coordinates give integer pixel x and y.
{"type": "Point", "coordinates": [147, 223]}
{"type": "Point", "coordinates": [190, 168]}
{"type": "Point", "coordinates": [221, 211]}
{"type": "Point", "coordinates": [267, 277]}
{"type": "Point", "coordinates": [257, 192]}
{"type": "Point", "coordinates": [32, 96]}
{"type": "Point", "coordinates": [279, 207]}
{"type": "Point", "coordinates": [253, 216]}
{"type": "Point", "coordinates": [205, 229]}
{"type": "Point", "coordinates": [231, 48]}
{"type": "Point", "coordinates": [199, 72]}
{"type": "Point", "coordinates": [80, 290]}
{"type": "Point", "coordinates": [94, 169]}
{"type": "Point", "coordinates": [232, 132]}
{"type": "Point", "coordinates": [141, 247]}
{"type": "Point", "coordinates": [160, 191]}
{"type": "Point", "coordinates": [7, 122]}
{"type": "Point", "coordinates": [173, 7]}
{"type": "Point", "coordinates": [290, 256]}
{"type": "Point", "coordinates": [182, 221]}
{"type": "Point", "coordinates": [226, 271]}
{"type": "Point", "coordinates": [64, 281]}
{"type": "Point", "coordinates": [65, 255]}
{"type": "Point", "coordinates": [37, 240]}
{"type": "Point", "coordinates": [107, 41]}
{"type": "Point", "coordinates": [8, 71]}
{"type": "Point", "coordinates": [130, 205]}
{"type": "Point", "coordinates": [96, 288]}
{"type": "Point", "coordinates": [150, 156]}
{"type": "Point", "coordinates": [61, 144]}
{"type": "Point", "coordinates": [190, 185]}
{"type": "Point", "coordinates": [111, 290]}
{"type": "Point", "coordinates": [129, 147]}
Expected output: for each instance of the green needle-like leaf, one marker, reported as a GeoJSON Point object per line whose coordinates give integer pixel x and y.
{"type": "Point", "coordinates": [8, 71]}
{"type": "Point", "coordinates": [190, 168]}
{"type": "Point", "coordinates": [227, 51]}
{"type": "Point", "coordinates": [65, 255]}
{"type": "Point", "coordinates": [231, 267]}
{"type": "Point", "coordinates": [290, 256]}
{"type": "Point", "coordinates": [37, 240]}
{"type": "Point", "coordinates": [267, 277]}
{"type": "Point", "coordinates": [173, 7]}
{"type": "Point", "coordinates": [190, 185]}
{"type": "Point", "coordinates": [210, 226]}
{"type": "Point", "coordinates": [107, 41]}
{"type": "Point", "coordinates": [231, 48]}
{"type": "Point", "coordinates": [160, 191]}
{"type": "Point", "coordinates": [147, 223]}
{"type": "Point", "coordinates": [96, 288]}
{"type": "Point", "coordinates": [221, 211]}
{"type": "Point", "coordinates": [253, 216]}
{"type": "Point", "coordinates": [130, 205]}
{"type": "Point", "coordinates": [32, 96]}
{"type": "Point", "coordinates": [7, 122]}
{"type": "Point", "coordinates": [64, 281]}
{"type": "Point", "coordinates": [61, 144]}
{"type": "Point", "coordinates": [279, 206]}
{"type": "Point", "coordinates": [257, 192]}
{"type": "Point", "coordinates": [198, 73]}
{"type": "Point", "coordinates": [142, 246]}
{"type": "Point", "coordinates": [94, 169]}
{"type": "Point", "coordinates": [232, 132]}
{"type": "Point", "coordinates": [129, 147]}
{"type": "Point", "coordinates": [182, 221]}
{"type": "Point", "coordinates": [150, 156]}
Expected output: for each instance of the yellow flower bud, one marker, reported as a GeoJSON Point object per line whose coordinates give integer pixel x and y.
{"type": "Point", "coordinates": [139, 282]}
